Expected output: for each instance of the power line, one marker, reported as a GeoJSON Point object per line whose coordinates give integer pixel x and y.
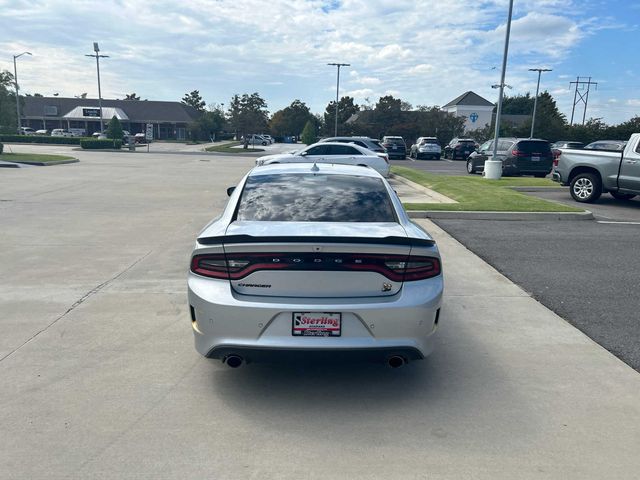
{"type": "Point", "coordinates": [580, 97]}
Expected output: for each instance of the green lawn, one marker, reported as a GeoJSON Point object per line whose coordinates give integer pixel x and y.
{"type": "Point", "coordinates": [227, 148]}
{"type": "Point", "coordinates": [474, 193]}
{"type": "Point", "coordinates": [35, 158]}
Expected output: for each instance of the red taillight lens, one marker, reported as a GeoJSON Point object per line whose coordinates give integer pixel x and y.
{"type": "Point", "coordinates": [397, 268]}
{"type": "Point", "coordinates": [556, 156]}
{"type": "Point", "coordinates": [518, 153]}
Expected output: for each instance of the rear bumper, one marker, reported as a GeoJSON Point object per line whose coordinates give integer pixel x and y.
{"type": "Point", "coordinates": [295, 355]}
{"type": "Point", "coordinates": [225, 322]}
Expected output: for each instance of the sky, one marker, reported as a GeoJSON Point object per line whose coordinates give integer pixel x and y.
{"type": "Point", "coordinates": [424, 52]}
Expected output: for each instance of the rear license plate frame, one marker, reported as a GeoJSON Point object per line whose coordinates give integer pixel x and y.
{"type": "Point", "coordinates": [329, 324]}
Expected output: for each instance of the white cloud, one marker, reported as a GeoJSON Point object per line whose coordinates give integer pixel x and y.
{"type": "Point", "coordinates": [427, 52]}
{"type": "Point", "coordinates": [633, 102]}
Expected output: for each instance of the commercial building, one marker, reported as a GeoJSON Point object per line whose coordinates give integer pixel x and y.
{"type": "Point", "coordinates": [476, 109]}
{"type": "Point", "coordinates": [170, 120]}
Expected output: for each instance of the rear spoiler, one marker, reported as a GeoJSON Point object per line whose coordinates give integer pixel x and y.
{"type": "Point", "coordinates": [235, 239]}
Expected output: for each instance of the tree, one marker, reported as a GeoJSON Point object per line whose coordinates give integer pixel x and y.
{"type": "Point", "coordinates": [195, 100]}
{"type": "Point", "coordinates": [308, 134]}
{"type": "Point", "coordinates": [290, 120]}
{"type": "Point", "coordinates": [114, 129]}
{"type": "Point", "coordinates": [7, 103]}
{"type": "Point", "coordinates": [247, 114]}
{"type": "Point", "coordinates": [346, 109]}
{"type": "Point", "coordinates": [387, 112]}
{"type": "Point", "coordinates": [209, 124]}
{"type": "Point", "coordinates": [132, 96]}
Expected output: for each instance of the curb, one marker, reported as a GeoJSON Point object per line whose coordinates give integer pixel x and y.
{"type": "Point", "coordinates": [506, 216]}
{"type": "Point", "coordinates": [49, 164]}
{"type": "Point", "coordinates": [538, 189]}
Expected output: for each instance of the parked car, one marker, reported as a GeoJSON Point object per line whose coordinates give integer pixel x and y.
{"type": "Point", "coordinates": [589, 173]}
{"type": "Point", "coordinates": [614, 145]}
{"type": "Point", "coordinates": [77, 132]}
{"type": "Point", "coordinates": [269, 138]}
{"type": "Point", "coordinates": [140, 138]}
{"type": "Point", "coordinates": [426, 147]}
{"type": "Point", "coordinates": [395, 146]}
{"type": "Point", "coordinates": [331, 152]}
{"type": "Point", "coordinates": [60, 132]}
{"type": "Point", "coordinates": [519, 156]}
{"type": "Point", "coordinates": [366, 142]}
{"type": "Point", "coordinates": [27, 131]}
{"type": "Point", "coordinates": [42, 132]}
{"type": "Point", "coordinates": [567, 144]}
{"type": "Point", "coordinates": [254, 139]}
{"type": "Point", "coordinates": [459, 148]}
{"type": "Point", "coordinates": [314, 260]}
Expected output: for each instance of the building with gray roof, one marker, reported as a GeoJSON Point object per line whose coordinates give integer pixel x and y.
{"type": "Point", "coordinates": [169, 119]}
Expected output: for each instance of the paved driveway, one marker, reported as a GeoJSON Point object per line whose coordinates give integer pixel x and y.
{"type": "Point", "coordinates": [101, 381]}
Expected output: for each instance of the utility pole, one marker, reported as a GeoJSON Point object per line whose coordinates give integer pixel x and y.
{"type": "Point", "coordinates": [15, 79]}
{"type": "Point", "coordinates": [493, 167]}
{"type": "Point", "coordinates": [583, 97]}
{"type": "Point", "coordinates": [338, 90]}
{"type": "Point", "coordinates": [97, 56]}
{"type": "Point", "coordinates": [535, 102]}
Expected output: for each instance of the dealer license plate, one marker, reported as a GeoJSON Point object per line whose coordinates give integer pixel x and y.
{"type": "Point", "coordinates": [315, 324]}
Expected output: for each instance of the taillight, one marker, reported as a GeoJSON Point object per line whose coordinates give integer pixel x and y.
{"type": "Point", "coordinates": [236, 266]}
{"type": "Point", "coordinates": [518, 153]}
{"type": "Point", "coordinates": [556, 156]}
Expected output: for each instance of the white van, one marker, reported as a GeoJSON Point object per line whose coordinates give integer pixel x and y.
{"type": "Point", "coordinates": [78, 132]}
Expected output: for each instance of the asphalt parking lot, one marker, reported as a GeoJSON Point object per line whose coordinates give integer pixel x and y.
{"type": "Point", "coordinates": [101, 379]}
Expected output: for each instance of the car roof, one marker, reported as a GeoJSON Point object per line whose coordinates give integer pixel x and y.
{"type": "Point", "coordinates": [318, 168]}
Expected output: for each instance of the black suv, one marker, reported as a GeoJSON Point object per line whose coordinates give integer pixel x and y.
{"type": "Point", "coordinates": [520, 156]}
{"type": "Point", "coordinates": [396, 148]}
{"type": "Point", "coordinates": [459, 148]}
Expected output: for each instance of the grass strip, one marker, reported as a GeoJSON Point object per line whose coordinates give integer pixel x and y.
{"type": "Point", "coordinates": [478, 194]}
{"type": "Point", "coordinates": [228, 148]}
{"type": "Point", "coordinates": [35, 158]}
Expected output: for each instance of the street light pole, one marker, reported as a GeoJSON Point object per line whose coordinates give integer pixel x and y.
{"type": "Point", "coordinates": [535, 102]}
{"type": "Point", "coordinates": [98, 57]}
{"type": "Point", "coordinates": [15, 79]}
{"type": "Point", "coordinates": [493, 167]}
{"type": "Point", "coordinates": [338, 90]}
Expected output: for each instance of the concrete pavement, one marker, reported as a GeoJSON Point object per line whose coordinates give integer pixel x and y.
{"type": "Point", "coordinates": [101, 380]}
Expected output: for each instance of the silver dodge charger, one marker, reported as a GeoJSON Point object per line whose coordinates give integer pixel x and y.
{"type": "Point", "coordinates": [314, 261]}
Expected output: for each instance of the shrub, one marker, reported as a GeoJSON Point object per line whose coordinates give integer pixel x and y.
{"type": "Point", "coordinates": [114, 129]}
{"type": "Point", "coordinates": [308, 134]}
{"type": "Point", "coordinates": [1, 147]}
{"type": "Point", "coordinates": [99, 144]}
{"type": "Point", "coordinates": [40, 139]}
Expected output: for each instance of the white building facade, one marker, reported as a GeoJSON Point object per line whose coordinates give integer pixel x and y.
{"type": "Point", "coordinates": [477, 110]}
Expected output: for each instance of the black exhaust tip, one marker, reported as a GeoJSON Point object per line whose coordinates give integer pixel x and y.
{"type": "Point", "coordinates": [396, 361]}
{"type": "Point", "coordinates": [234, 361]}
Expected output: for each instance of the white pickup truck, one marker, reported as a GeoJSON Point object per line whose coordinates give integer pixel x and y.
{"type": "Point", "coordinates": [589, 173]}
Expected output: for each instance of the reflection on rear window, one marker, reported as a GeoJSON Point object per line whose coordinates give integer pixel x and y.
{"type": "Point", "coordinates": [534, 147]}
{"type": "Point", "coordinates": [315, 198]}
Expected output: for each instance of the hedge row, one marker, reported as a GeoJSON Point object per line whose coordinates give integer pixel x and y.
{"type": "Point", "coordinates": [40, 139]}
{"type": "Point", "coordinates": [1, 147]}
{"type": "Point", "coordinates": [91, 144]}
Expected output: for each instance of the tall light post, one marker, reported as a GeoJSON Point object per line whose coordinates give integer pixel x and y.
{"type": "Point", "coordinates": [15, 79]}
{"type": "Point", "coordinates": [338, 90]}
{"type": "Point", "coordinates": [535, 102]}
{"type": "Point", "coordinates": [97, 56]}
{"type": "Point", "coordinates": [493, 167]}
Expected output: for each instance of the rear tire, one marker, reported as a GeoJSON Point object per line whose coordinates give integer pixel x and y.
{"type": "Point", "coordinates": [586, 187]}
{"type": "Point", "coordinates": [470, 168]}
{"type": "Point", "coordinates": [622, 196]}
{"type": "Point", "coordinates": [437, 157]}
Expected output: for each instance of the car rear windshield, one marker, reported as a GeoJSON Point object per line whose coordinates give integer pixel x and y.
{"type": "Point", "coordinates": [467, 142]}
{"type": "Point", "coordinates": [529, 146]}
{"type": "Point", "coordinates": [395, 140]}
{"type": "Point", "coordinates": [309, 197]}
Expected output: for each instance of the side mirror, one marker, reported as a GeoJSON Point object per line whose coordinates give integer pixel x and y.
{"type": "Point", "coordinates": [303, 154]}
{"type": "Point", "coordinates": [230, 191]}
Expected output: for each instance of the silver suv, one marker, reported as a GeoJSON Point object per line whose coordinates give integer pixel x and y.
{"type": "Point", "coordinates": [426, 147]}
